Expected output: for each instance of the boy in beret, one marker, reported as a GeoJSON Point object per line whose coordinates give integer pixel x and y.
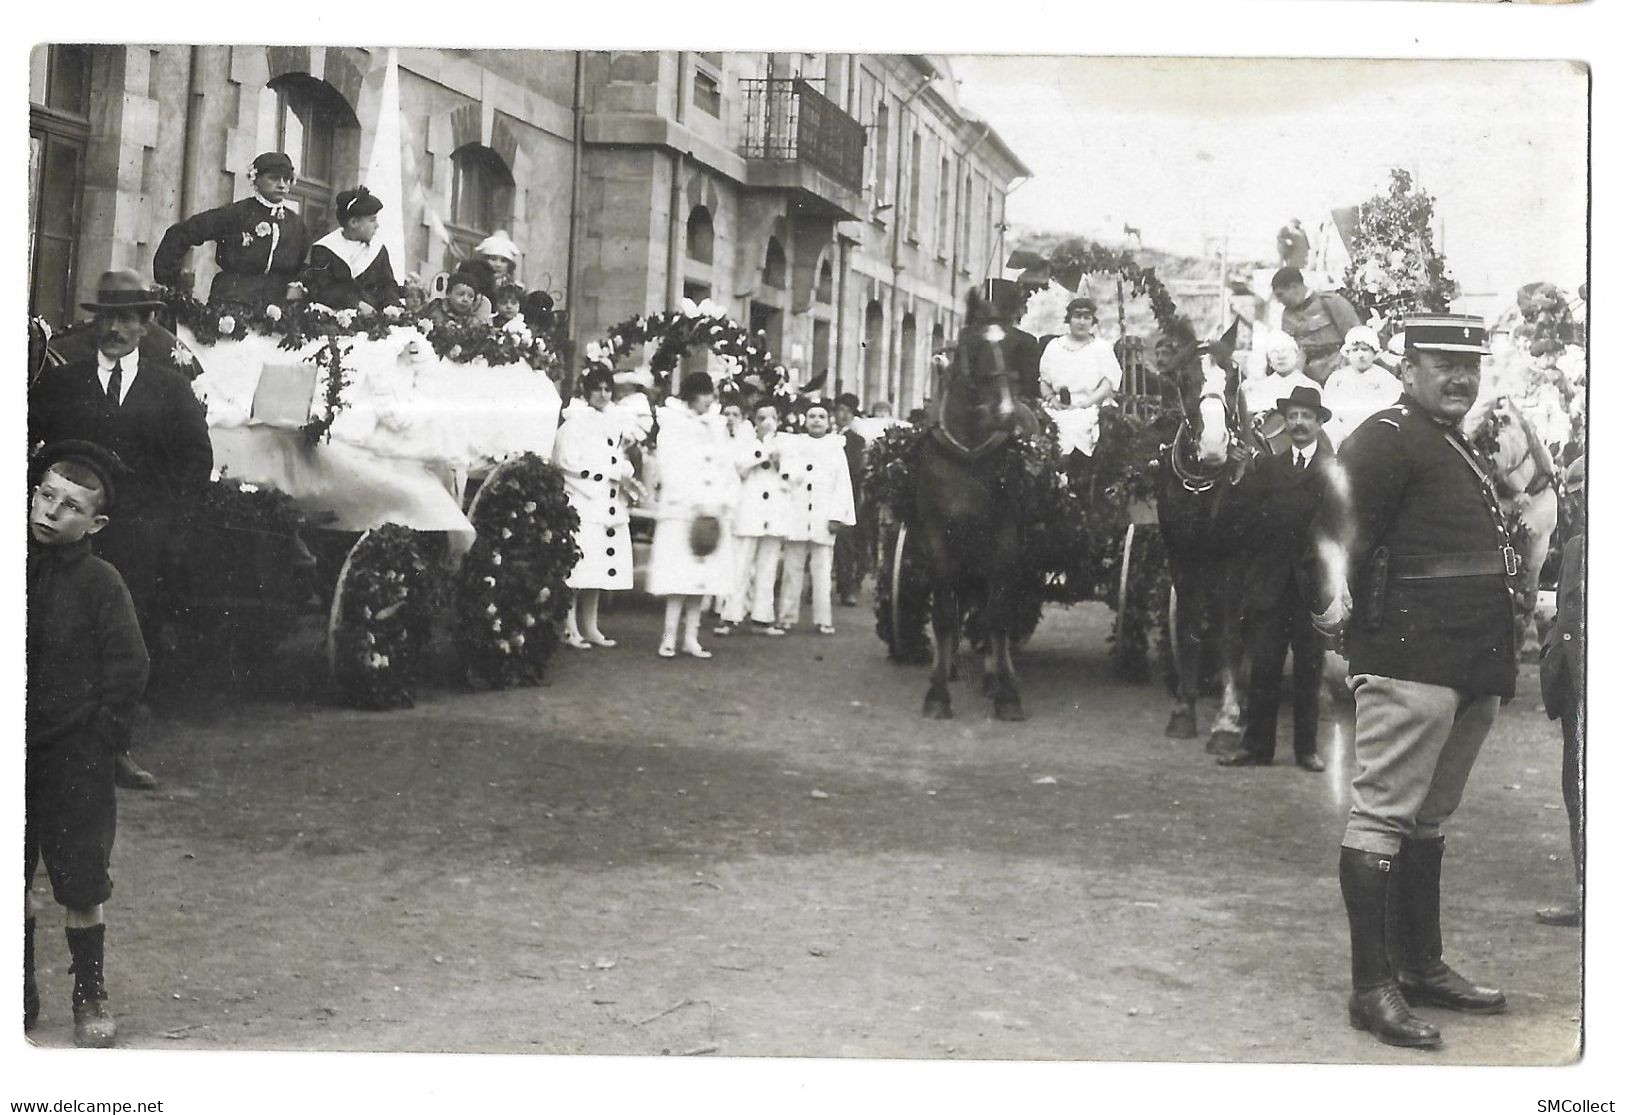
{"type": "Point", "coordinates": [259, 242]}
{"type": "Point", "coordinates": [350, 268]}
{"type": "Point", "coordinates": [87, 666]}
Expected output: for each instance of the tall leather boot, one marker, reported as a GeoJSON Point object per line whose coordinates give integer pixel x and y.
{"type": "Point", "coordinates": [93, 1024]}
{"type": "Point", "coordinates": [30, 989]}
{"type": "Point", "coordinates": [1423, 975]}
{"type": "Point", "coordinates": [1376, 1004]}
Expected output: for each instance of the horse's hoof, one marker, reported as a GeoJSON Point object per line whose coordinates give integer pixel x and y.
{"type": "Point", "coordinates": [938, 710]}
{"type": "Point", "coordinates": [1009, 710]}
{"type": "Point", "coordinates": [1181, 725]}
{"type": "Point", "coordinates": [1224, 740]}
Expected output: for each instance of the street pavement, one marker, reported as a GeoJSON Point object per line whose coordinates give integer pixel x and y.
{"type": "Point", "coordinates": [773, 853]}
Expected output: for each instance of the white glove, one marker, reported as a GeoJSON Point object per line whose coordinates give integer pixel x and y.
{"type": "Point", "coordinates": [1336, 616]}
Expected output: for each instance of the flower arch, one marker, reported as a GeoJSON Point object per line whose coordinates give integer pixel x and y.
{"type": "Point", "coordinates": [746, 358]}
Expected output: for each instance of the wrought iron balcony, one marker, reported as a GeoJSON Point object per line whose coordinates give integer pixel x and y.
{"type": "Point", "coordinates": [788, 121]}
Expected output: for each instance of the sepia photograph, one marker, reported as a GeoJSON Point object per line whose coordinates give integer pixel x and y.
{"type": "Point", "coordinates": [742, 555]}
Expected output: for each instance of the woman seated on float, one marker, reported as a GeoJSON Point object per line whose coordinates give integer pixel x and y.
{"type": "Point", "coordinates": [1360, 387]}
{"type": "Point", "coordinates": [1077, 374]}
{"type": "Point", "coordinates": [350, 268]}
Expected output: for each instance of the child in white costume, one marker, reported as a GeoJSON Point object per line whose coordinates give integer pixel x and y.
{"type": "Point", "coordinates": [590, 451]}
{"type": "Point", "coordinates": [1077, 374]}
{"type": "Point", "coordinates": [760, 518]}
{"type": "Point", "coordinates": [1360, 387]}
{"type": "Point", "coordinates": [820, 503]}
{"type": "Point", "coordinates": [691, 557]}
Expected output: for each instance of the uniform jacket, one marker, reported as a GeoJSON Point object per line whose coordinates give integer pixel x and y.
{"type": "Point", "coordinates": [588, 452]}
{"type": "Point", "coordinates": [763, 510]}
{"type": "Point", "coordinates": [1280, 507]}
{"type": "Point", "coordinates": [1563, 653]}
{"type": "Point", "coordinates": [344, 273]}
{"type": "Point", "coordinates": [87, 664]}
{"type": "Point", "coordinates": [159, 431]}
{"type": "Point", "coordinates": [1319, 326]}
{"type": "Point", "coordinates": [820, 489]}
{"type": "Point", "coordinates": [1413, 494]}
{"type": "Point", "coordinates": [259, 250]}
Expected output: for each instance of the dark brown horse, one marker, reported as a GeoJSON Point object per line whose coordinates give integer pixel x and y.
{"type": "Point", "coordinates": [1200, 467]}
{"type": "Point", "coordinates": [967, 511]}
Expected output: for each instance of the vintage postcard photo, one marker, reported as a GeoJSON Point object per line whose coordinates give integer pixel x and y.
{"type": "Point", "coordinates": [669, 553]}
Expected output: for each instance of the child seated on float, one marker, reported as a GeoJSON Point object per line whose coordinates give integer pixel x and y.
{"type": "Point", "coordinates": [1360, 387]}
{"type": "Point", "coordinates": [507, 303]}
{"type": "Point", "coordinates": [459, 307]}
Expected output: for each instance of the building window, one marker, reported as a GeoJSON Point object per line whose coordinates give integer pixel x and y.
{"type": "Point", "coordinates": [481, 197]}
{"type": "Point", "coordinates": [774, 267]}
{"type": "Point", "coordinates": [58, 133]}
{"type": "Point", "coordinates": [944, 207]}
{"type": "Point", "coordinates": [701, 235]}
{"type": "Point", "coordinates": [707, 93]}
{"type": "Point", "coordinates": [826, 283]}
{"type": "Point", "coordinates": [882, 151]}
{"type": "Point", "coordinates": [914, 167]}
{"type": "Point", "coordinates": [965, 208]}
{"type": "Point", "coordinates": [313, 120]}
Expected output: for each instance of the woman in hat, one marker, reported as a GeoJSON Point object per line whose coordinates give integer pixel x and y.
{"type": "Point", "coordinates": [1077, 374]}
{"type": "Point", "coordinates": [259, 242]}
{"type": "Point", "coordinates": [691, 557]}
{"type": "Point", "coordinates": [590, 451]}
{"type": "Point", "coordinates": [350, 268]}
{"type": "Point", "coordinates": [502, 254]}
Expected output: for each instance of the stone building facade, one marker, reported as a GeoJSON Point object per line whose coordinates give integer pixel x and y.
{"type": "Point", "coordinates": [841, 203]}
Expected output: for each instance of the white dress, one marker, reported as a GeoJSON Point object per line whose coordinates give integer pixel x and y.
{"type": "Point", "coordinates": [590, 454]}
{"type": "Point", "coordinates": [1080, 369]}
{"type": "Point", "coordinates": [1353, 396]}
{"type": "Point", "coordinates": [1262, 392]}
{"type": "Point", "coordinates": [693, 463]}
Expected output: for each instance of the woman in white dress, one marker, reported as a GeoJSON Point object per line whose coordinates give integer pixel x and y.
{"type": "Point", "coordinates": [1282, 372]}
{"type": "Point", "coordinates": [1359, 388]}
{"type": "Point", "coordinates": [590, 450]}
{"type": "Point", "coordinates": [1076, 375]}
{"type": "Point", "coordinates": [691, 557]}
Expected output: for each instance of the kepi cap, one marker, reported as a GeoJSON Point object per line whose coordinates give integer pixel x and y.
{"type": "Point", "coordinates": [1446, 333]}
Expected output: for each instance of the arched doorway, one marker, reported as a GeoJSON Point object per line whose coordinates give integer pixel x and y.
{"type": "Point", "coordinates": [873, 385]}
{"type": "Point", "coordinates": [319, 130]}
{"type": "Point", "coordinates": [907, 363]}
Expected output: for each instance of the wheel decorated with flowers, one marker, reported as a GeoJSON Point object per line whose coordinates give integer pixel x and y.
{"type": "Point", "coordinates": [744, 359]}
{"type": "Point", "coordinates": [510, 589]}
{"type": "Point", "coordinates": [379, 625]}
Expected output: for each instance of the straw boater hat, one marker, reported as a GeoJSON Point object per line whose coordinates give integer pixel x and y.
{"type": "Point", "coordinates": [122, 290]}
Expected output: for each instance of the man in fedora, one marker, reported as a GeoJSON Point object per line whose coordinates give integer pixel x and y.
{"type": "Point", "coordinates": [1282, 499]}
{"type": "Point", "coordinates": [259, 242]}
{"type": "Point", "coordinates": [144, 411]}
{"type": "Point", "coordinates": [1432, 648]}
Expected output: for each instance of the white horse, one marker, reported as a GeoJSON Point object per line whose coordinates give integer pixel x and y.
{"type": "Point", "coordinates": [1526, 482]}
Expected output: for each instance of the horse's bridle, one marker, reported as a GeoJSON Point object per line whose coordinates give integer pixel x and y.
{"type": "Point", "coordinates": [1180, 458]}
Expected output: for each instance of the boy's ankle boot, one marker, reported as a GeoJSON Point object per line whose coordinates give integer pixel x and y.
{"type": "Point", "coordinates": [93, 1025]}
{"type": "Point", "coordinates": [1418, 952]}
{"type": "Point", "coordinates": [30, 989]}
{"type": "Point", "coordinates": [1376, 1003]}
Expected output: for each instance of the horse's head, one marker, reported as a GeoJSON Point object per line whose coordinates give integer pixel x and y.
{"type": "Point", "coordinates": [976, 385]}
{"type": "Point", "coordinates": [1202, 381]}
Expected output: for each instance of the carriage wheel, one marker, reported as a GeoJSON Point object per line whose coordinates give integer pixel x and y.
{"type": "Point", "coordinates": [1124, 656]}
{"type": "Point", "coordinates": [336, 609]}
{"type": "Point", "coordinates": [897, 588]}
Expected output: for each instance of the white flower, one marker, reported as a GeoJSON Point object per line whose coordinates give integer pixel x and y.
{"type": "Point", "coordinates": [215, 474]}
{"type": "Point", "coordinates": [383, 661]}
{"type": "Point", "coordinates": [228, 324]}
{"type": "Point", "coordinates": [454, 352]}
{"type": "Point", "coordinates": [490, 582]}
{"type": "Point", "coordinates": [689, 308]}
{"type": "Point", "coordinates": [529, 620]}
{"type": "Point", "coordinates": [490, 609]}
{"type": "Point", "coordinates": [263, 228]}
{"type": "Point", "coordinates": [502, 645]}
{"type": "Point", "coordinates": [394, 313]}
{"type": "Point", "coordinates": [346, 317]}
{"type": "Point", "coordinates": [248, 239]}
{"type": "Point", "coordinates": [496, 559]}
{"type": "Point", "coordinates": [250, 488]}
{"type": "Point", "coordinates": [708, 308]}
{"type": "Point", "coordinates": [321, 308]}
{"type": "Point", "coordinates": [518, 639]}
{"type": "Point", "coordinates": [516, 325]}
{"type": "Point", "coordinates": [595, 353]}
{"type": "Point", "coordinates": [530, 507]}
{"type": "Point", "coordinates": [506, 533]}
{"type": "Point", "coordinates": [496, 626]}
{"type": "Point", "coordinates": [425, 325]}
{"type": "Point", "coordinates": [993, 335]}
{"type": "Point", "coordinates": [274, 313]}
{"type": "Point", "coordinates": [366, 613]}
{"type": "Point", "coordinates": [541, 597]}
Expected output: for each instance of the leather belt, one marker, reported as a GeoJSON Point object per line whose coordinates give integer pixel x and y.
{"type": "Point", "coordinates": [1474, 563]}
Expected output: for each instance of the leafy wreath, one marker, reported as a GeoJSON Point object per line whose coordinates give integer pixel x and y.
{"type": "Point", "coordinates": [746, 358]}
{"type": "Point", "coordinates": [1070, 260]}
{"type": "Point", "coordinates": [387, 595]}
{"type": "Point", "coordinates": [510, 590]}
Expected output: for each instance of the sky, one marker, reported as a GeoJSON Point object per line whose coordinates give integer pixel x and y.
{"type": "Point", "coordinates": [1192, 150]}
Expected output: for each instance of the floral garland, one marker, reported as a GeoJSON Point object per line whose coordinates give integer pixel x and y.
{"type": "Point", "coordinates": [1071, 259]}
{"type": "Point", "coordinates": [510, 590]}
{"type": "Point", "coordinates": [1548, 323]}
{"type": "Point", "coordinates": [385, 602]}
{"type": "Point", "coordinates": [745, 357]}
{"type": "Point", "coordinates": [330, 359]}
{"type": "Point", "coordinates": [1394, 268]}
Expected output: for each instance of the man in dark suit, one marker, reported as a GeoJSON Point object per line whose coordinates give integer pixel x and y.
{"type": "Point", "coordinates": [143, 410]}
{"type": "Point", "coordinates": [259, 242]}
{"type": "Point", "coordinates": [1283, 497]}
{"type": "Point", "coordinates": [851, 544]}
{"type": "Point", "coordinates": [1563, 689]}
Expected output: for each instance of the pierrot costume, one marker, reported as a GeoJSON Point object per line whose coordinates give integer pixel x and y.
{"type": "Point", "coordinates": [820, 493]}
{"type": "Point", "coordinates": [761, 516]}
{"type": "Point", "coordinates": [588, 451]}
{"type": "Point", "coordinates": [694, 464]}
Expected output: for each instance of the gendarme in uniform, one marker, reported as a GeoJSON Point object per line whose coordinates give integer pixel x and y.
{"type": "Point", "coordinates": [1432, 652]}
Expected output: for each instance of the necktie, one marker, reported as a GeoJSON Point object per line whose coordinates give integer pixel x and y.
{"type": "Point", "coordinates": [1303, 460]}
{"type": "Point", "coordinates": [115, 384]}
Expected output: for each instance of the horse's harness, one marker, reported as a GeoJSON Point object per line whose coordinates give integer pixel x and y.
{"type": "Point", "coordinates": [946, 438]}
{"type": "Point", "coordinates": [1182, 456]}
{"type": "Point", "coordinates": [1544, 476]}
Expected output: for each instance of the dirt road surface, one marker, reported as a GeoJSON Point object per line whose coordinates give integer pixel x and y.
{"type": "Point", "coordinates": [772, 853]}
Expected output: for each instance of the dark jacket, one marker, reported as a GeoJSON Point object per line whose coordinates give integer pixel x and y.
{"type": "Point", "coordinates": [255, 267]}
{"type": "Point", "coordinates": [1280, 507]}
{"type": "Point", "coordinates": [86, 662]}
{"type": "Point", "coordinates": [855, 447]}
{"type": "Point", "coordinates": [328, 280]}
{"type": "Point", "coordinates": [1412, 493]}
{"type": "Point", "coordinates": [159, 431]}
{"type": "Point", "coordinates": [1563, 652]}
{"type": "Point", "coordinates": [1020, 350]}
